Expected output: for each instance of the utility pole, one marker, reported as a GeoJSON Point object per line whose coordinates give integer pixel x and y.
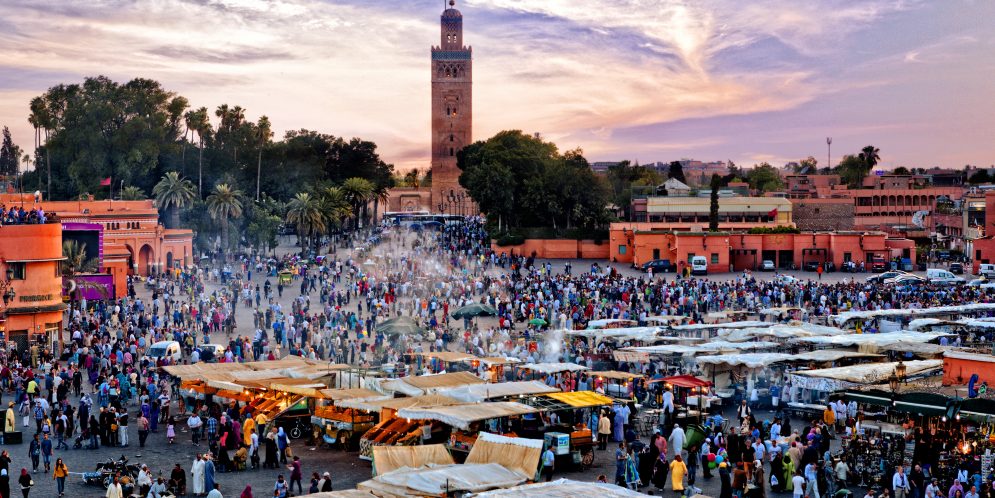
{"type": "Point", "coordinates": [829, 152]}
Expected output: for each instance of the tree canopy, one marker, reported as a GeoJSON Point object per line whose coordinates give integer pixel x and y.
{"type": "Point", "coordinates": [138, 131]}
{"type": "Point", "coordinates": [522, 181]}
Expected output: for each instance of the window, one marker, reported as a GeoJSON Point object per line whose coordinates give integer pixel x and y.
{"type": "Point", "coordinates": [715, 258]}
{"type": "Point", "coordinates": [690, 256]}
{"type": "Point", "coordinates": [622, 248]}
{"type": "Point", "coordinates": [656, 254]}
{"type": "Point", "coordinates": [451, 153]}
{"type": "Point", "coordinates": [847, 257]}
{"type": "Point", "coordinates": [18, 270]}
{"type": "Point", "coordinates": [452, 138]}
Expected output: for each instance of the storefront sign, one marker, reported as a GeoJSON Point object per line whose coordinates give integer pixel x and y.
{"type": "Point", "coordinates": [35, 298]}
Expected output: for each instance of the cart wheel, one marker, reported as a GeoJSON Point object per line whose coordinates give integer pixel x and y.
{"type": "Point", "coordinates": [587, 458]}
{"type": "Point", "coordinates": [295, 432]}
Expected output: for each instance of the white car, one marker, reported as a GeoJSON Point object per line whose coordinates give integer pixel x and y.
{"type": "Point", "coordinates": [982, 283]}
{"type": "Point", "coordinates": [767, 265]}
{"type": "Point", "coordinates": [943, 277]}
{"type": "Point", "coordinates": [905, 279]}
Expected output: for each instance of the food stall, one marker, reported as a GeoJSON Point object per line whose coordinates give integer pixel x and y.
{"type": "Point", "coordinates": [495, 366]}
{"type": "Point", "coordinates": [619, 385]}
{"type": "Point", "coordinates": [340, 426]}
{"type": "Point", "coordinates": [393, 430]}
{"type": "Point", "coordinates": [465, 421]}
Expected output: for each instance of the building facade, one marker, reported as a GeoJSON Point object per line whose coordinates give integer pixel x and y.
{"type": "Point", "coordinates": [692, 213]}
{"type": "Point", "coordinates": [31, 282]}
{"type": "Point", "coordinates": [727, 251]}
{"type": "Point", "coordinates": [452, 107]}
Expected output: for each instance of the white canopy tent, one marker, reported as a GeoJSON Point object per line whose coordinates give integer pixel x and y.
{"type": "Point", "coordinates": [876, 340]}
{"type": "Point", "coordinates": [484, 392]}
{"type": "Point", "coordinates": [562, 488]}
{"type": "Point", "coordinates": [844, 318]}
{"type": "Point", "coordinates": [552, 368]}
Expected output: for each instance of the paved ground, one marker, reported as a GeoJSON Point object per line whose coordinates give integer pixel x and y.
{"type": "Point", "coordinates": [346, 468]}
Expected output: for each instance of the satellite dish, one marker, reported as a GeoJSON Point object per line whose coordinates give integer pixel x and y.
{"type": "Point", "coordinates": [919, 219]}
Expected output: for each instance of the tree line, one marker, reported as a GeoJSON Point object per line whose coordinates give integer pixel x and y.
{"type": "Point", "coordinates": [151, 141]}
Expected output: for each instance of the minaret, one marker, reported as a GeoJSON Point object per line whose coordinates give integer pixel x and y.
{"type": "Point", "coordinates": [452, 109]}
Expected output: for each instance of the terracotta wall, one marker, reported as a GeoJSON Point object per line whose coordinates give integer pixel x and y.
{"type": "Point", "coordinates": [556, 249]}
{"type": "Point", "coordinates": [957, 371]}
{"type": "Point", "coordinates": [38, 297]}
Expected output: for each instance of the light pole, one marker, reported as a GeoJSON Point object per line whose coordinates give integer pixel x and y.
{"type": "Point", "coordinates": [829, 152]}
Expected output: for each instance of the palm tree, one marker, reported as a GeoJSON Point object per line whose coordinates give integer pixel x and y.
{"type": "Point", "coordinates": [132, 193]}
{"type": "Point", "coordinates": [869, 155]}
{"type": "Point", "coordinates": [306, 213]}
{"type": "Point", "coordinates": [335, 206]}
{"type": "Point", "coordinates": [263, 135]}
{"type": "Point", "coordinates": [357, 192]}
{"type": "Point", "coordinates": [174, 193]}
{"type": "Point", "coordinates": [381, 193]}
{"type": "Point", "coordinates": [198, 121]}
{"type": "Point", "coordinates": [224, 205]}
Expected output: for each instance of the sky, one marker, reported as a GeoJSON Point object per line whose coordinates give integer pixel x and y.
{"type": "Point", "coordinates": [645, 80]}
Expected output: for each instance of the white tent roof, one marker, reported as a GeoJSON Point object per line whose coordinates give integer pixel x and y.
{"type": "Point", "coordinates": [883, 339]}
{"type": "Point", "coordinates": [964, 355]}
{"type": "Point", "coordinates": [675, 184]}
{"type": "Point", "coordinates": [847, 316]}
{"type": "Point", "coordinates": [437, 480]}
{"type": "Point", "coordinates": [781, 331]}
{"type": "Point", "coordinates": [460, 416]}
{"type": "Point", "coordinates": [562, 488]}
{"type": "Point", "coordinates": [725, 325]}
{"type": "Point", "coordinates": [624, 333]}
{"type": "Point", "coordinates": [484, 392]}
{"type": "Point", "coordinates": [596, 324]}
{"type": "Point", "coordinates": [871, 373]}
{"type": "Point", "coordinates": [548, 368]}
{"type": "Point", "coordinates": [751, 360]}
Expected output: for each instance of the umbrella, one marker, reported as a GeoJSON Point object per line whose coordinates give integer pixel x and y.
{"type": "Point", "coordinates": [537, 321]}
{"type": "Point", "coordinates": [400, 326]}
{"type": "Point", "coordinates": [369, 262]}
{"type": "Point", "coordinates": [474, 309]}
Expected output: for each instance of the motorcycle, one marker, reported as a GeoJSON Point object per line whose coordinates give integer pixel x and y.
{"type": "Point", "coordinates": [105, 471]}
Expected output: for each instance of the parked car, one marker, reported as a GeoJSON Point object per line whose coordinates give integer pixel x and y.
{"type": "Point", "coordinates": [165, 349]}
{"type": "Point", "coordinates": [658, 266]}
{"type": "Point", "coordinates": [983, 283]}
{"type": "Point", "coordinates": [767, 265]}
{"type": "Point", "coordinates": [905, 279]}
{"type": "Point", "coordinates": [811, 266]}
{"type": "Point", "coordinates": [941, 276]}
{"type": "Point", "coordinates": [880, 278]}
{"type": "Point", "coordinates": [957, 268]}
{"type": "Point", "coordinates": [986, 270]}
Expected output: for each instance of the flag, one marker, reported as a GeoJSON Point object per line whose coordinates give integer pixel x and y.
{"type": "Point", "coordinates": [106, 182]}
{"type": "Point", "coordinates": [772, 213]}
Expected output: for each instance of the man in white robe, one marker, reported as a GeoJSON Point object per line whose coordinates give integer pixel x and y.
{"type": "Point", "coordinates": [197, 476]}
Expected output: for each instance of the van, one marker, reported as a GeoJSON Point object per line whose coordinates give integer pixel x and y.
{"type": "Point", "coordinates": [986, 270]}
{"type": "Point", "coordinates": [699, 265]}
{"type": "Point", "coordinates": [165, 349]}
{"type": "Point", "coordinates": [941, 276]}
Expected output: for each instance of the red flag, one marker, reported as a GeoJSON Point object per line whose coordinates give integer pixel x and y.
{"type": "Point", "coordinates": [772, 213]}
{"type": "Point", "coordinates": [106, 182]}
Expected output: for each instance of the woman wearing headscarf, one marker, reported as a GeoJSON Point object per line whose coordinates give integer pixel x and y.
{"type": "Point", "coordinates": [209, 473]}
{"type": "Point", "coordinates": [4, 483]}
{"type": "Point", "coordinates": [648, 458]}
{"type": "Point", "coordinates": [246, 493]}
{"type": "Point", "coordinates": [271, 451]}
{"type": "Point", "coordinates": [282, 441]}
{"type": "Point", "coordinates": [787, 473]}
{"type": "Point", "coordinates": [25, 482]}
{"type": "Point", "coordinates": [777, 472]}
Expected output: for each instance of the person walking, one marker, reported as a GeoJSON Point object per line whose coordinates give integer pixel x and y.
{"type": "Point", "coordinates": [280, 488]}
{"type": "Point", "coordinates": [677, 472]}
{"type": "Point", "coordinates": [26, 482]}
{"type": "Point", "coordinates": [46, 452]}
{"type": "Point", "coordinates": [60, 473]}
{"type": "Point", "coordinates": [197, 476]}
{"type": "Point", "coordinates": [143, 430]}
{"type": "Point", "coordinates": [34, 451]}
{"type": "Point", "coordinates": [900, 482]}
{"type": "Point", "coordinates": [296, 474]}
{"type": "Point", "coordinates": [604, 430]}
{"type": "Point", "coordinates": [209, 471]}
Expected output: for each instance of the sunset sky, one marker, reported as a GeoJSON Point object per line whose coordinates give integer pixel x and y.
{"type": "Point", "coordinates": [647, 80]}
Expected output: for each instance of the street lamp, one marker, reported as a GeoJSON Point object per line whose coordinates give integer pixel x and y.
{"type": "Point", "coordinates": [893, 382]}
{"type": "Point", "coordinates": [5, 288]}
{"type": "Point", "coordinates": [900, 370]}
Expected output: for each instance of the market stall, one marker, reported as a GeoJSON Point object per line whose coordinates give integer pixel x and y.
{"type": "Point", "coordinates": [563, 488]}
{"type": "Point", "coordinates": [442, 481]}
{"type": "Point", "coordinates": [465, 421]}
{"type": "Point", "coordinates": [393, 430]}
{"type": "Point", "coordinates": [387, 459]}
{"type": "Point", "coordinates": [341, 426]}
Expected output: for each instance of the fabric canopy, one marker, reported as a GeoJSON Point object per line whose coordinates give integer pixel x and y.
{"type": "Point", "coordinates": [390, 458]}
{"type": "Point", "coordinates": [596, 324]}
{"type": "Point", "coordinates": [685, 381]}
{"type": "Point", "coordinates": [871, 373]}
{"type": "Point", "coordinates": [612, 374]}
{"type": "Point", "coordinates": [484, 392]}
{"type": "Point", "coordinates": [548, 368]}
{"type": "Point", "coordinates": [751, 360]}
{"type": "Point", "coordinates": [513, 453]}
{"type": "Point", "coordinates": [581, 399]}
{"type": "Point", "coordinates": [442, 381]}
{"type": "Point", "coordinates": [878, 340]}
{"type": "Point", "coordinates": [450, 356]}
{"type": "Point", "coordinates": [499, 360]}
{"type": "Point", "coordinates": [843, 318]}
{"type": "Point", "coordinates": [376, 405]}
{"type": "Point", "coordinates": [461, 416]}
{"type": "Point", "coordinates": [563, 488]}
{"type": "Point", "coordinates": [344, 394]}
{"type": "Point", "coordinates": [440, 480]}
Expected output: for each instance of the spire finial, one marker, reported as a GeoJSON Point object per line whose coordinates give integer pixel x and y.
{"type": "Point", "coordinates": [452, 3]}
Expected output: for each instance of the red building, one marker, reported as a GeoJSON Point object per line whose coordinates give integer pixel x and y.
{"type": "Point", "coordinates": [727, 251]}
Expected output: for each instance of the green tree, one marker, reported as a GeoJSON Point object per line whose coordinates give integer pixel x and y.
{"type": "Point", "coordinates": [870, 157]}
{"type": "Point", "coordinates": [809, 165]}
{"type": "Point", "coordinates": [173, 193]}
{"type": "Point", "coordinates": [901, 170]}
{"type": "Point", "coordinates": [10, 155]}
{"type": "Point", "coordinates": [765, 178]}
{"type": "Point", "coordinates": [677, 172]}
{"type": "Point", "coordinates": [133, 193]}
{"type": "Point", "coordinates": [852, 170]}
{"type": "Point", "coordinates": [264, 135]}
{"type": "Point", "coordinates": [713, 206]}
{"type": "Point", "coordinates": [200, 123]}
{"type": "Point", "coordinates": [263, 228]}
{"type": "Point", "coordinates": [335, 207]}
{"type": "Point", "coordinates": [357, 192]}
{"type": "Point", "coordinates": [305, 212]}
{"type": "Point", "coordinates": [979, 177]}
{"type": "Point", "coordinates": [225, 205]}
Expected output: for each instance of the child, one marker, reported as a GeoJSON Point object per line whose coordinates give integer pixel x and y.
{"type": "Point", "coordinates": [170, 431]}
{"type": "Point", "coordinates": [603, 478]}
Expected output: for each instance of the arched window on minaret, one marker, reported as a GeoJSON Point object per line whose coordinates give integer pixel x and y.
{"type": "Point", "coordinates": [452, 138]}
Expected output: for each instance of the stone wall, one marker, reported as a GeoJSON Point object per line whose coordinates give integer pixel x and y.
{"type": "Point", "coordinates": [823, 214]}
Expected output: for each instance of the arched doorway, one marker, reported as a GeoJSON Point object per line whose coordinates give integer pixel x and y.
{"type": "Point", "coordinates": [169, 260]}
{"type": "Point", "coordinates": [145, 260]}
{"type": "Point", "coordinates": [132, 270]}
